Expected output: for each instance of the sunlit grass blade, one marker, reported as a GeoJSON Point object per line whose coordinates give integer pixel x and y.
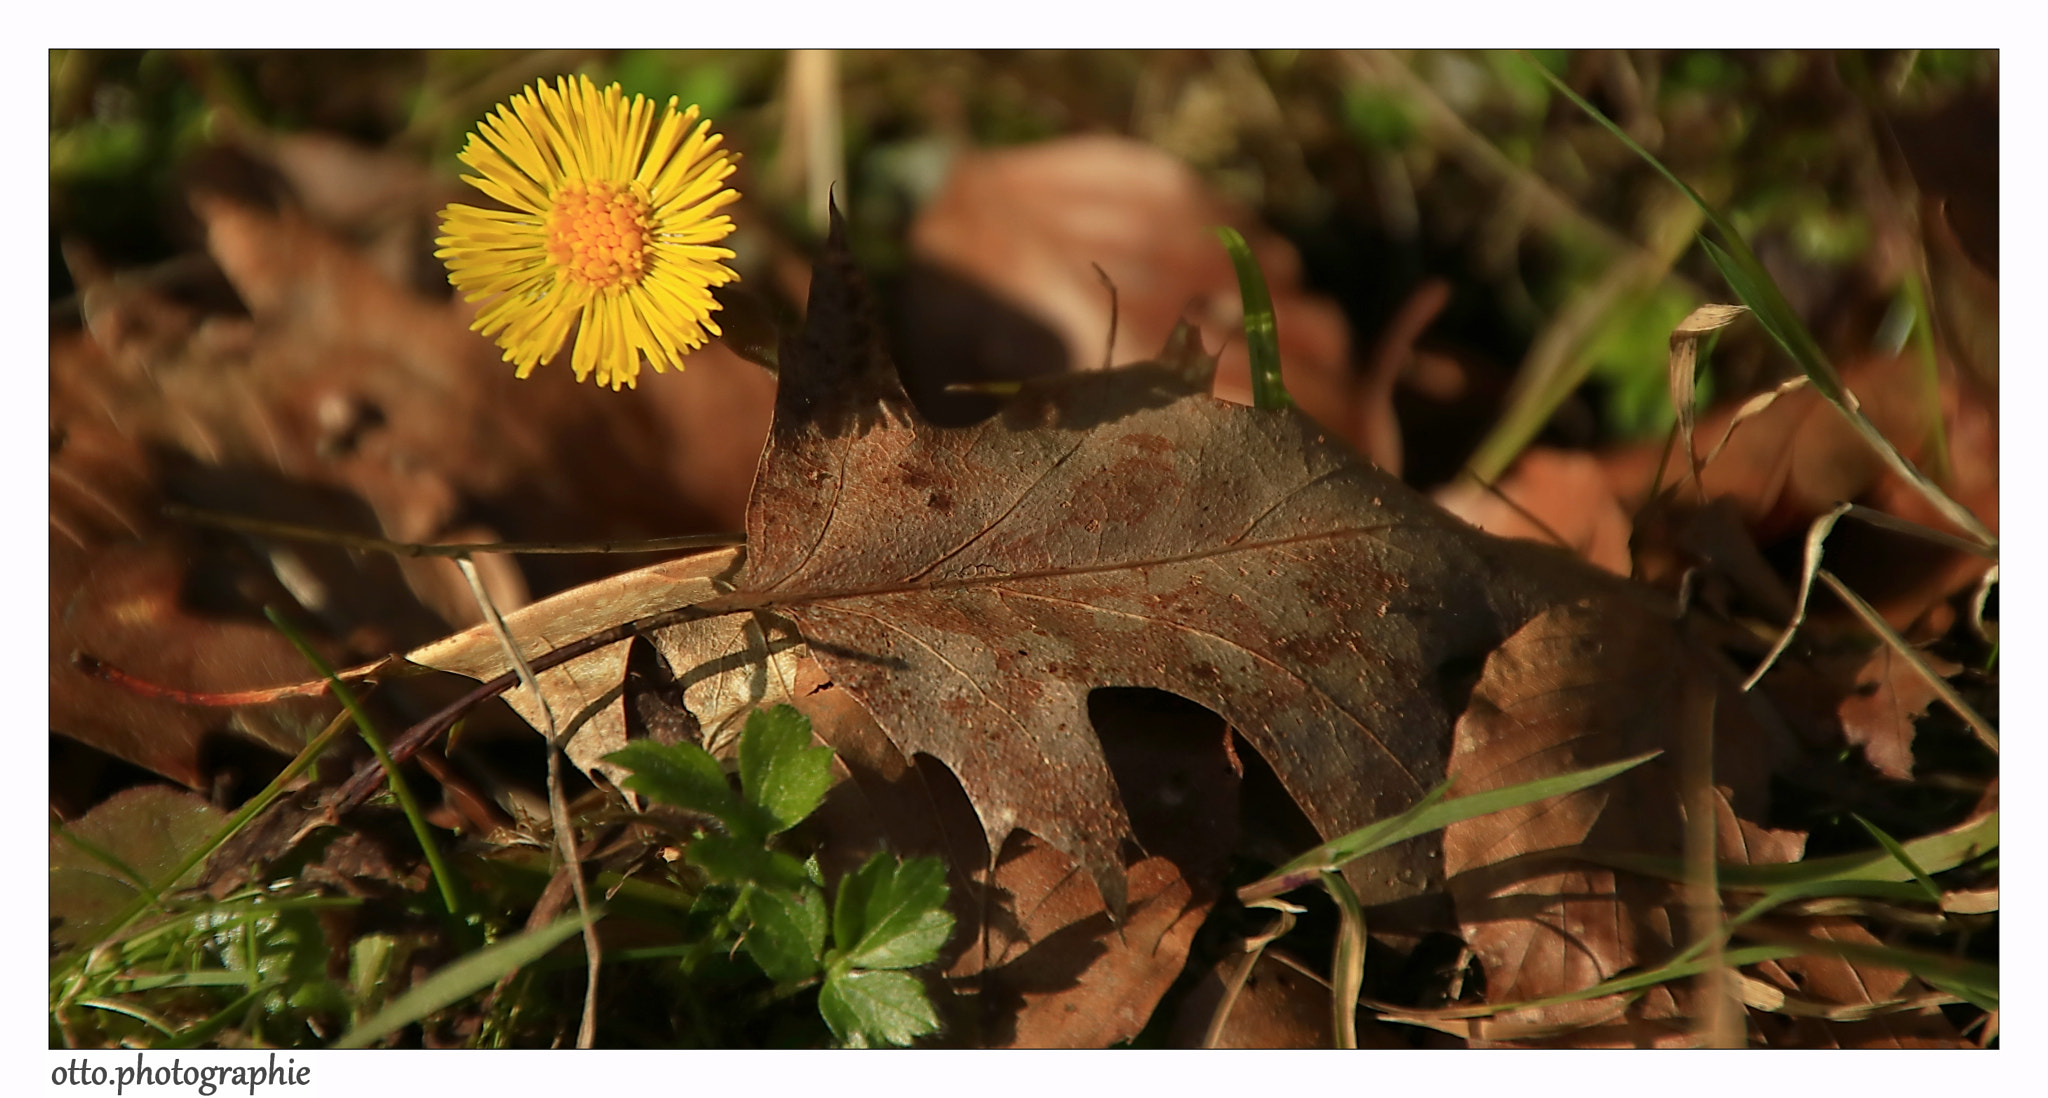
{"type": "Point", "coordinates": [1975, 981]}
{"type": "Point", "coordinates": [1261, 332]}
{"type": "Point", "coordinates": [1936, 853]}
{"type": "Point", "coordinates": [1429, 814]}
{"type": "Point", "coordinates": [465, 977]}
{"type": "Point", "coordinates": [146, 1017]}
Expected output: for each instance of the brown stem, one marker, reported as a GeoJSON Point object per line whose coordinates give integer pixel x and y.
{"type": "Point", "coordinates": [107, 672]}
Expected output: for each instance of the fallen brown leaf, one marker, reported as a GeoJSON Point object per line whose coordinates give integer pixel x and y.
{"type": "Point", "coordinates": [971, 586]}
{"type": "Point", "coordinates": [1821, 984]}
{"type": "Point", "coordinates": [344, 399]}
{"type": "Point", "coordinates": [1579, 686]}
{"type": "Point", "coordinates": [1878, 712]}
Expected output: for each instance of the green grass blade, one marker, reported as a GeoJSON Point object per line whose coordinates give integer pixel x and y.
{"type": "Point", "coordinates": [465, 977]}
{"type": "Point", "coordinates": [313, 750]}
{"type": "Point", "coordinates": [197, 1035]}
{"type": "Point", "coordinates": [1347, 964]}
{"type": "Point", "coordinates": [1261, 332]}
{"type": "Point", "coordinates": [451, 893]}
{"type": "Point", "coordinates": [1892, 847]}
{"type": "Point", "coordinates": [1963, 991]}
{"type": "Point", "coordinates": [1429, 814]}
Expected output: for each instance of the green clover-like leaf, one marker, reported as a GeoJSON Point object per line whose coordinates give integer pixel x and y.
{"type": "Point", "coordinates": [787, 935]}
{"type": "Point", "coordinates": [779, 769]}
{"type": "Point", "coordinates": [866, 1009]}
{"type": "Point", "coordinates": [891, 915]}
{"type": "Point", "coordinates": [733, 860]}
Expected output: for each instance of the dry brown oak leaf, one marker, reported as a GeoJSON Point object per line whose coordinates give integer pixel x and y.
{"type": "Point", "coordinates": [970, 586]}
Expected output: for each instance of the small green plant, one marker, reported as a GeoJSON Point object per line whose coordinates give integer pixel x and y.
{"type": "Point", "coordinates": [887, 916]}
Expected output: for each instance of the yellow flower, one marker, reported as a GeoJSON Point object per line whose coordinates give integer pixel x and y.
{"type": "Point", "coordinates": [606, 227]}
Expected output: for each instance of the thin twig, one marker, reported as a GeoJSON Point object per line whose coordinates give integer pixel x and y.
{"type": "Point", "coordinates": [1108, 347]}
{"type": "Point", "coordinates": [294, 532]}
{"type": "Point", "coordinates": [558, 804]}
{"type": "Point", "coordinates": [1527, 515]}
{"type": "Point", "coordinates": [1717, 1028]}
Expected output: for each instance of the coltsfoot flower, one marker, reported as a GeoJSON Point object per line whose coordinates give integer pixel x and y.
{"type": "Point", "coordinates": [612, 231]}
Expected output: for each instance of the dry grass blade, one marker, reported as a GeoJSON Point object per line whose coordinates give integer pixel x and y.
{"type": "Point", "coordinates": [1816, 535]}
{"type": "Point", "coordinates": [1253, 949]}
{"type": "Point", "coordinates": [1685, 345]}
{"type": "Point", "coordinates": [1560, 356]}
{"type": "Point", "coordinates": [1546, 204]}
{"type": "Point", "coordinates": [1676, 969]}
{"type": "Point", "coordinates": [1750, 409]}
{"type": "Point", "coordinates": [812, 131]}
{"type": "Point", "coordinates": [1977, 601]}
{"type": "Point", "coordinates": [1875, 517]}
{"type": "Point", "coordinates": [558, 805]}
{"type": "Point", "coordinates": [1890, 636]}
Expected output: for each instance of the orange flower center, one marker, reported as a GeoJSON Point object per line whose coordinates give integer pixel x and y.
{"type": "Point", "coordinates": [599, 234]}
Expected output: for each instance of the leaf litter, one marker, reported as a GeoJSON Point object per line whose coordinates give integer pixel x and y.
{"type": "Point", "coordinates": [1038, 530]}
{"type": "Point", "coordinates": [896, 596]}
